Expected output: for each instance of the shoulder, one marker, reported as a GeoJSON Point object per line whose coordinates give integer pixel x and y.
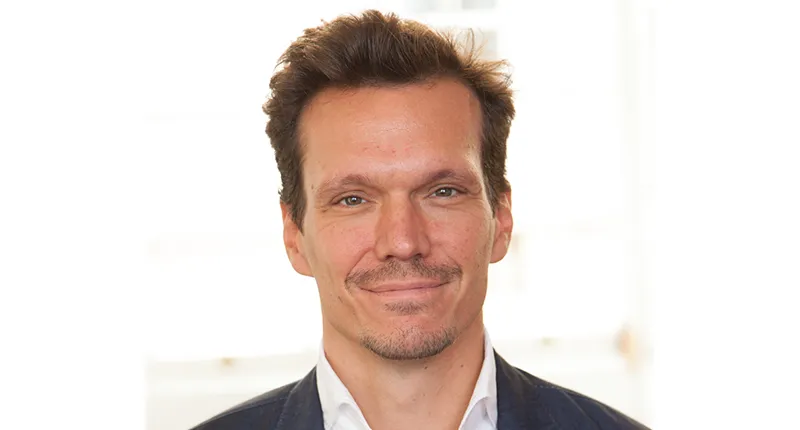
{"type": "Point", "coordinates": [531, 402]}
{"type": "Point", "coordinates": [259, 412]}
{"type": "Point", "coordinates": [576, 410]}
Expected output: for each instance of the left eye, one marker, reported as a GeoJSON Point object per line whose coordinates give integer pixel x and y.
{"type": "Point", "coordinates": [352, 201]}
{"type": "Point", "coordinates": [445, 192]}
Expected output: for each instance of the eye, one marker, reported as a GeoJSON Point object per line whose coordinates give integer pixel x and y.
{"type": "Point", "coordinates": [445, 192]}
{"type": "Point", "coordinates": [351, 201]}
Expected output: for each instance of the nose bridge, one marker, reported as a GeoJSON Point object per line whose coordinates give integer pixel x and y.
{"type": "Point", "coordinates": [402, 229]}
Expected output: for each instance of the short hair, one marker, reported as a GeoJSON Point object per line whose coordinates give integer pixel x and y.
{"type": "Point", "coordinates": [376, 49]}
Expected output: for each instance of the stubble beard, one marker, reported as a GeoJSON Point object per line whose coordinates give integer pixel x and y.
{"type": "Point", "coordinates": [408, 343]}
{"type": "Point", "coordinates": [411, 342]}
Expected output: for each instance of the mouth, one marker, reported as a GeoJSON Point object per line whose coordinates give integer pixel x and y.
{"type": "Point", "coordinates": [409, 288]}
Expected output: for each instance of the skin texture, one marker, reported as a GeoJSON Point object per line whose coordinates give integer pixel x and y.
{"type": "Point", "coordinates": [399, 234]}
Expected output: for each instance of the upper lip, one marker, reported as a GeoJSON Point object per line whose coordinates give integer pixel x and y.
{"type": "Point", "coordinates": [406, 285]}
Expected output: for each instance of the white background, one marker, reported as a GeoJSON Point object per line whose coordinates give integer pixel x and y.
{"type": "Point", "coordinates": [138, 215]}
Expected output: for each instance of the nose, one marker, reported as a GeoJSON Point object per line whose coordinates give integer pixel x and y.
{"type": "Point", "coordinates": [402, 231]}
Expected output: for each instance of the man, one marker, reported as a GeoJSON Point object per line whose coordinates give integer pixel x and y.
{"type": "Point", "coordinates": [391, 145]}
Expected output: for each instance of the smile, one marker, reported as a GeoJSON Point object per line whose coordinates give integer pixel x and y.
{"type": "Point", "coordinates": [412, 288]}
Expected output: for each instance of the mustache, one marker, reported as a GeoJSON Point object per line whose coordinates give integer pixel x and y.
{"type": "Point", "coordinates": [394, 269]}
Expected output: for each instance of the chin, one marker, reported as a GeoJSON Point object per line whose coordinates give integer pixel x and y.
{"type": "Point", "coordinates": [408, 341]}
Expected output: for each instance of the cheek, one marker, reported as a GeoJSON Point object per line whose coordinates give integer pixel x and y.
{"type": "Point", "coordinates": [337, 248]}
{"type": "Point", "coordinates": [466, 237]}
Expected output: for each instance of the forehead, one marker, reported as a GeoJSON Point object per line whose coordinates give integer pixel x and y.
{"type": "Point", "coordinates": [427, 125]}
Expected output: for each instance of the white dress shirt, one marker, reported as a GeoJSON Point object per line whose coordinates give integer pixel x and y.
{"type": "Point", "coordinates": [340, 411]}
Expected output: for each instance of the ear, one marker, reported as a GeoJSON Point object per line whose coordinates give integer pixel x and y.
{"type": "Point", "coordinates": [292, 240]}
{"type": "Point", "coordinates": [504, 223]}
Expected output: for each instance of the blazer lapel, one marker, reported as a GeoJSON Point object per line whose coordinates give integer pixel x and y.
{"type": "Point", "coordinates": [518, 404]}
{"type": "Point", "coordinates": [302, 409]}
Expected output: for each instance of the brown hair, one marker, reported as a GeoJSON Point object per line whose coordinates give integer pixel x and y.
{"type": "Point", "coordinates": [374, 49]}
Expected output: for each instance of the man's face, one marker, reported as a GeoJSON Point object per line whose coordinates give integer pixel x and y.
{"type": "Point", "coordinates": [398, 231]}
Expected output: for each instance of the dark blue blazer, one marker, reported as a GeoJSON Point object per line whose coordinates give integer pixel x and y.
{"type": "Point", "coordinates": [524, 402]}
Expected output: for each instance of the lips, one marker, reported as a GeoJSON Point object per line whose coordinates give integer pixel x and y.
{"type": "Point", "coordinates": [406, 286]}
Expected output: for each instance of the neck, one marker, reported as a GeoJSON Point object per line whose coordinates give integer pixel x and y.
{"type": "Point", "coordinates": [432, 393]}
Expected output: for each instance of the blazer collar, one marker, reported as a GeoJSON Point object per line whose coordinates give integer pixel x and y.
{"type": "Point", "coordinates": [302, 409]}
{"type": "Point", "coordinates": [519, 406]}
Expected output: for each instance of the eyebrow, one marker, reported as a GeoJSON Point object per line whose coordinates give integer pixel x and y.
{"type": "Point", "coordinates": [465, 177]}
{"type": "Point", "coordinates": [333, 185]}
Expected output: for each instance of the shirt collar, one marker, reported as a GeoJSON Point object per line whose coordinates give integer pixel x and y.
{"type": "Point", "coordinates": [335, 397]}
{"type": "Point", "coordinates": [485, 393]}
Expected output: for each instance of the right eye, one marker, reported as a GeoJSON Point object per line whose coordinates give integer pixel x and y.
{"type": "Point", "coordinates": [351, 201]}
